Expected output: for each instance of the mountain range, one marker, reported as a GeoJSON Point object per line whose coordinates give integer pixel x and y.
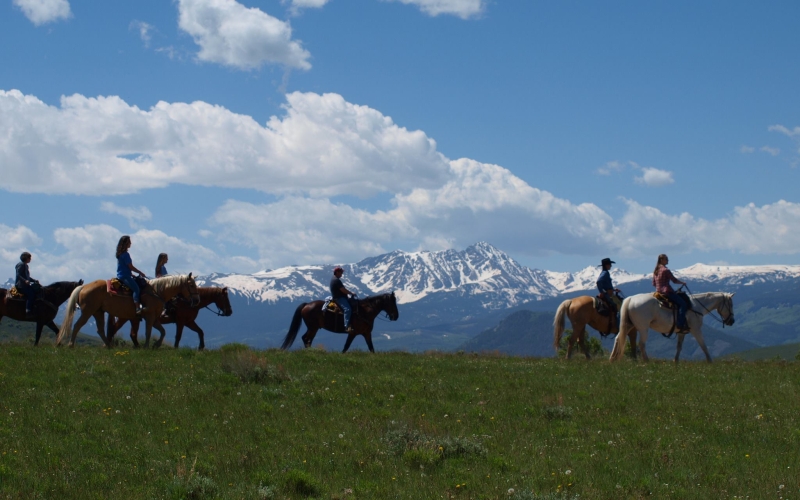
{"type": "Point", "coordinates": [447, 298]}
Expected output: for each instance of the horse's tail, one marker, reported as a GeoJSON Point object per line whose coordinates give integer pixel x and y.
{"type": "Point", "coordinates": [558, 323]}
{"type": "Point", "coordinates": [294, 327]}
{"type": "Point", "coordinates": [66, 325]}
{"type": "Point", "coordinates": [622, 336]}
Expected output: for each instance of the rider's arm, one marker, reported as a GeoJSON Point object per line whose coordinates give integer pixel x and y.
{"type": "Point", "coordinates": [345, 291]}
{"type": "Point", "coordinates": [133, 268]}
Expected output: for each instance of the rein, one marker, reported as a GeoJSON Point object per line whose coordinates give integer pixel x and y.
{"type": "Point", "coordinates": [710, 313]}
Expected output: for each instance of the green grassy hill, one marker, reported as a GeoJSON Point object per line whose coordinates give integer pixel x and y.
{"type": "Point", "coordinates": [24, 332]}
{"type": "Point", "coordinates": [787, 352]}
{"type": "Point", "coordinates": [90, 423]}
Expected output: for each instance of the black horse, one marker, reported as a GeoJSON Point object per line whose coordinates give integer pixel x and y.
{"type": "Point", "coordinates": [45, 308]}
{"type": "Point", "coordinates": [362, 320]}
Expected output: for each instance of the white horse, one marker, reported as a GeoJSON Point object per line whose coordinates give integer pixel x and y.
{"type": "Point", "coordinates": [642, 312]}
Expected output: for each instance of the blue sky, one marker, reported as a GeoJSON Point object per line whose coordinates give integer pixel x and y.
{"type": "Point", "coordinates": [243, 135]}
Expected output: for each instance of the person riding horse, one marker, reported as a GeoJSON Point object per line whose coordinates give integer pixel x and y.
{"type": "Point", "coordinates": [125, 270]}
{"type": "Point", "coordinates": [340, 294]}
{"type": "Point", "coordinates": [661, 279]}
{"type": "Point", "coordinates": [25, 284]}
{"type": "Point", "coordinates": [606, 287]}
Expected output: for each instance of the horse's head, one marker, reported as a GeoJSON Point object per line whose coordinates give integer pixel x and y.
{"type": "Point", "coordinates": [725, 309]}
{"type": "Point", "coordinates": [390, 306]}
{"type": "Point", "coordinates": [60, 291]}
{"type": "Point", "coordinates": [189, 290]}
{"type": "Point", "coordinates": [223, 302]}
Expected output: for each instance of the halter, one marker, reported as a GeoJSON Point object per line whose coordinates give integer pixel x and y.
{"type": "Point", "coordinates": [726, 301]}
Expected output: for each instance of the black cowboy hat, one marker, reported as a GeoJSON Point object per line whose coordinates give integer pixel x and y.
{"type": "Point", "coordinates": [606, 261]}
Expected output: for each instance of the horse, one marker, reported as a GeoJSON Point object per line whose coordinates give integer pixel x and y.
{"type": "Point", "coordinates": [94, 300]}
{"type": "Point", "coordinates": [45, 308]}
{"type": "Point", "coordinates": [641, 312]}
{"type": "Point", "coordinates": [581, 312]}
{"type": "Point", "coordinates": [362, 320]}
{"type": "Point", "coordinates": [184, 314]}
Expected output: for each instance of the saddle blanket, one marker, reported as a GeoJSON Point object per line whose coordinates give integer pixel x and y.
{"type": "Point", "coordinates": [664, 301]}
{"type": "Point", "coordinates": [116, 287]}
{"type": "Point", "coordinates": [15, 294]}
{"type": "Point", "coordinates": [330, 305]}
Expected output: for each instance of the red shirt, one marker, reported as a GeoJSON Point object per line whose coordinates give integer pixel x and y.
{"type": "Point", "coordinates": [662, 278]}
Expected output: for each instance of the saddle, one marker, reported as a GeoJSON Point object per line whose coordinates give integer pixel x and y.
{"type": "Point", "coordinates": [609, 310]}
{"type": "Point", "coordinates": [115, 287]}
{"type": "Point", "coordinates": [15, 294]}
{"type": "Point", "coordinates": [333, 315]}
{"type": "Point", "coordinates": [665, 303]}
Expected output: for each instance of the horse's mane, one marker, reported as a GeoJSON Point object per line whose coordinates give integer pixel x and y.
{"type": "Point", "coordinates": [160, 284]}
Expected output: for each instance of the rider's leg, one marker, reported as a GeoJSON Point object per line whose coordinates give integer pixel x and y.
{"type": "Point", "coordinates": [131, 283]}
{"type": "Point", "coordinates": [682, 308]}
{"type": "Point", "coordinates": [346, 309]}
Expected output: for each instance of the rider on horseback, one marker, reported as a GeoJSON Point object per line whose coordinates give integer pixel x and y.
{"type": "Point", "coordinates": [661, 278]}
{"type": "Point", "coordinates": [606, 287]}
{"type": "Point", "coordinates": [339, 294]}
{"type": "Point", "coordinates": [125, 269]}
{"type": "Point", "coordinates": [25, 284]}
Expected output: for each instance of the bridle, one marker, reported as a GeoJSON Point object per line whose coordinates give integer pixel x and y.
{"type": "Point", "coordinates": [727, 302]}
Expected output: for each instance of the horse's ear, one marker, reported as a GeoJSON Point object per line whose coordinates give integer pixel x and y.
{"type": "Point", "coordinates": [734, 293]}
{"type": "Point", "coordinates": [190, 275]}
{"type": "Point", "coordinates": [225, 290]}
{"type": "Point", "coordinates": [80, 282]}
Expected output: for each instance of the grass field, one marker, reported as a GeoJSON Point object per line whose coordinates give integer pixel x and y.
{"type": "Point", "coordinates": [235, 423]}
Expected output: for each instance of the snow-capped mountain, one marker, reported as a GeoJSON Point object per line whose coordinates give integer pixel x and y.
{"type": "Point", "coordinates": [480, 271]}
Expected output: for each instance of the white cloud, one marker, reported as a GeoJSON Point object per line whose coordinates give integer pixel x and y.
{"type": "Point", "coordinates": [654, 177]}
{"type": "Point", "coordinates": [461, 8]}
{"type": "Point", "coordinates": [306, 4]}
{"type": "Point", "coordinates": [305, 230]}
{"type": "Point", "coordinates": [87, 253]}
{"type": "Point", "coordinates": [145, 31]}
{"type": "Point", "coordinates": [44, 11]}
{"type": "Point", "coordinates": [747, 149]}
{"type": "Point", "coordinates": [795, 132]}
{"type": "Point", "coordinates": [611, 167]}
{"type": "Point", "coordinates": [770, 150]}
{"type": "Point", "coordinates": [135, 215]}
{"type": "Point", "coordinates": [246, 38]}
{"type": "Point", "coordinates": [323, 146]}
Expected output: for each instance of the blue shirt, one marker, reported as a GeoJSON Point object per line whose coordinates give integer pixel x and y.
{"type": "Point", "coordinates": [162, 271]}
{"type": "Point", "coordinates": [123, 266]}
{"type": "Point", "coordinates": [604, 281]}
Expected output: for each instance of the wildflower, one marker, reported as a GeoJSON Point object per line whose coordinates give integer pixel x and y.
{"type": "Point", "coordinates": [127, 397]}
{"type": "Point", "coordinates": [510, 491]}
{"type": "Point", "coordinates": [391, 396]}
{"type": "Point", "coordinates": [568, 472]}
{"type": "Point", "coordinates": [759, 416]}
{"type": "Point", "coordinates": [341, 436]}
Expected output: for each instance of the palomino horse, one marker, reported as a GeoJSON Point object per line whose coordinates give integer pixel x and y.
{"type": "Point", "coordinates": [642, 312]}
{"type": "Point", "coordinates": [362, 320]}
{"type": "Point", "coordinates": [183, 314]}
{"type": "Point", "coordinates": [94, 300]}
{"type": "Point", "coordinates": [581, 312]}
{"type": "Point", "coordinates": [46, 307]}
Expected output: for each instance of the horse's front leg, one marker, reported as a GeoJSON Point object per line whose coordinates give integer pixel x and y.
{"type": "Point", "coordinates": [308, 337]}
{"type": "Point", "coordinates": [643, 345]}
{"type": "Point", "coordinates": [100, 321]}
{"type": "Point", "coordinates": [39, 326]}
{"type": "Point", "coordinates": [135, 333]}
{"type": "Point", "coordinates": [193, 326]}
{"type": "Point", "coordinates": [699, 337]}
{"type": "Point", "coordinates": [368, 338]}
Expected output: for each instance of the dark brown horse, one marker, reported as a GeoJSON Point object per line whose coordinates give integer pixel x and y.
{"type": "Point", "coordinates": [45, 308]}
{"type": "Point", "coordinates": [183, 314]}
{"type": "Point", "coordinates": [362, 321]}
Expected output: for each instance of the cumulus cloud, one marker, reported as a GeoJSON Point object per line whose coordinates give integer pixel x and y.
{"type": "Point", "coordinates": [87, 252]}
{"type": "Point", "coordinates": [44, 11]}
{"type": "Point", "coordinates": [305, 230]}
{"type": "Point", "coordinates": [296, 5]}
{"type": "Point", "coordinates": [231, 34]}
{"type": "Point", "coordinates": [747, 149]}
{"type": "Point", "coordinates": [322, 146]}
{"type": "Point", "coordinates": [461, 8]}
{"type": "Point", "coordinates": [793, 132]}
{"type": "Point", "coordinates": [611, 167]}
{"type": "Point", "coordinates": [135, 215]}
{"type": "Point", "coordinates": [654, 177]}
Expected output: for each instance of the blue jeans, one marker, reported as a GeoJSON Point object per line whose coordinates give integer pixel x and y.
{"type": "Point", "coordinates": [348, 311]}
{"type": "Point", "coordinates": [682, 308]}
{"type": "Point", "coordinates": [131, 283]}
{"type": "Point", "coordinates": [30, 292]}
